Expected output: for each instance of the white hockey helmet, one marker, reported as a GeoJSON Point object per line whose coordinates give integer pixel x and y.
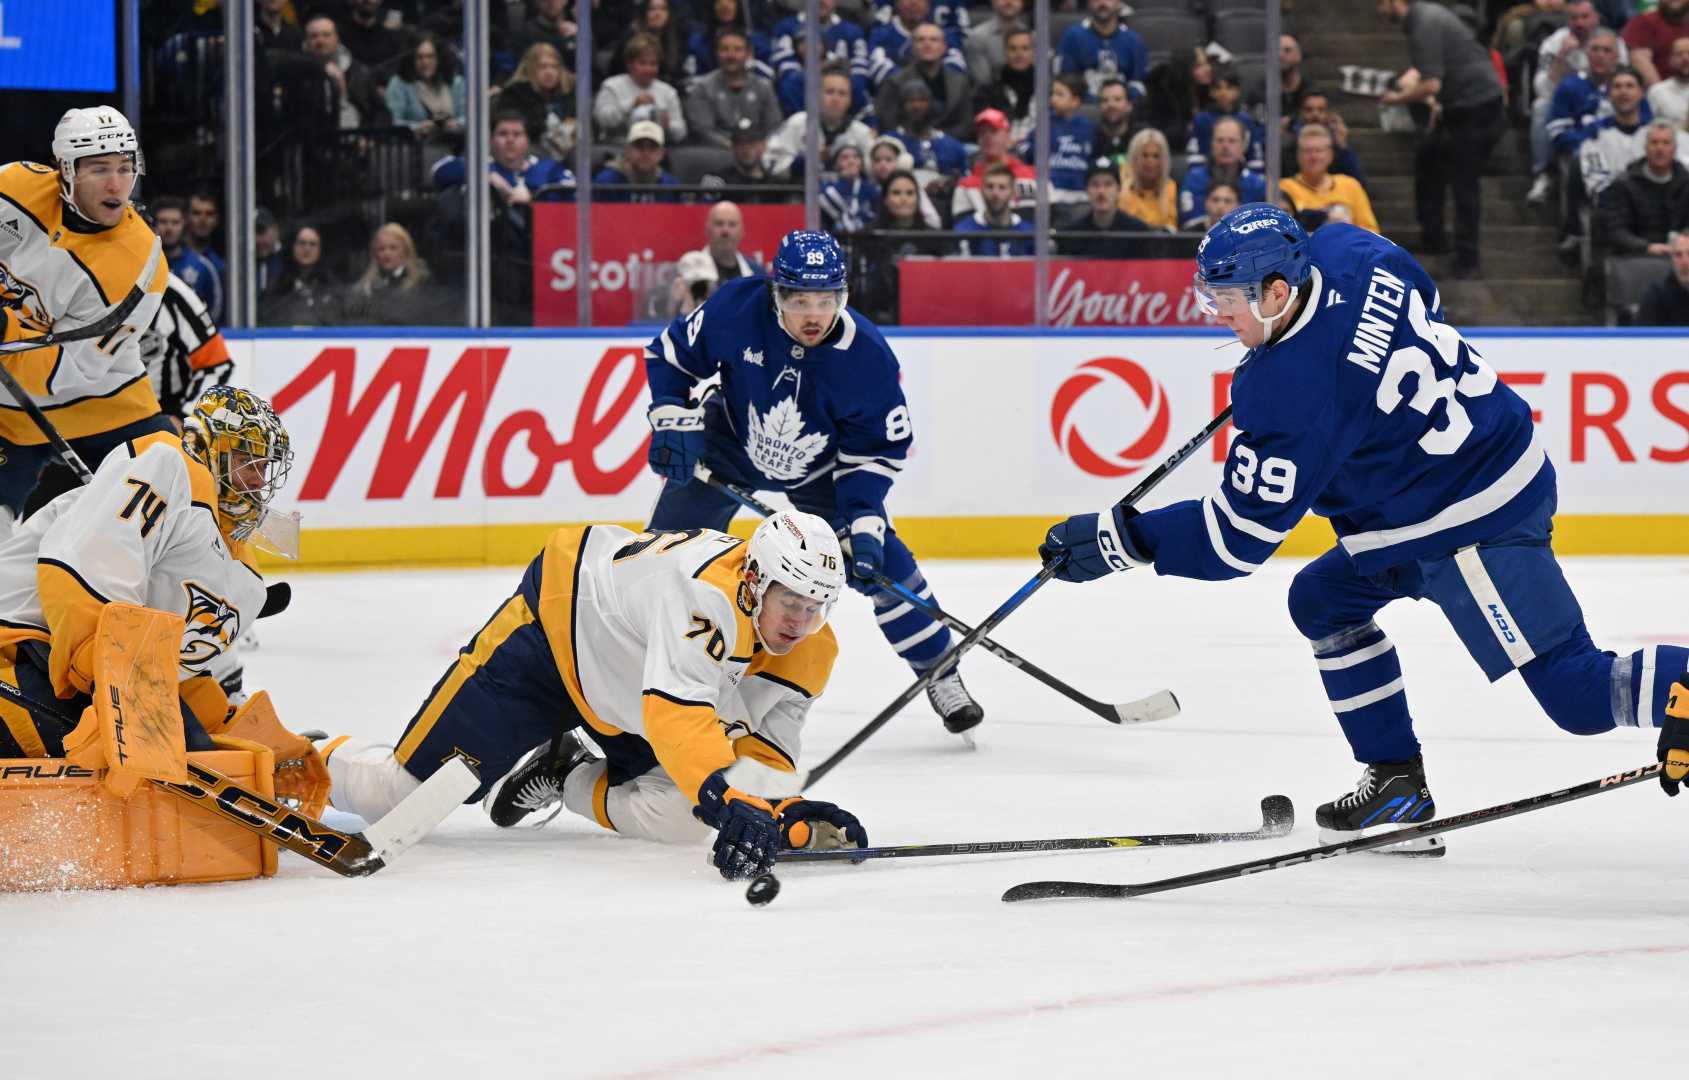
{"type": "Point", "coordinates": [88, 133]}
{"type": "Point", "coordinates": [800, 552]}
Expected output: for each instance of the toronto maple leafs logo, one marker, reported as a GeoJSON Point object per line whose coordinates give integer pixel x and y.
{"type": "Point", "coordinates": [213, 623]}
{"type": "Point", "coordinates": [752, 357]}
{"type": "Point", "coordinates": [777, 445]}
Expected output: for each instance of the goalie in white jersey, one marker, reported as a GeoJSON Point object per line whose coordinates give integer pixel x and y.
{"type": "Point", "coordinates": [679, 653]}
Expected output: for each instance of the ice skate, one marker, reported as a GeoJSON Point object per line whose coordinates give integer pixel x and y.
{"type": "Point", "coordinates": [536, 783]}
{"type": "Point", "coordinates": [1389, 795]}
{"type": "Point", "coordinates": [954, 705]}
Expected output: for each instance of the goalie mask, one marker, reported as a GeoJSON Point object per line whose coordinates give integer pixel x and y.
{"type": "Point", "coordinates": [800, 552]}
{"type": "Point", "coordinates": [237, 436]}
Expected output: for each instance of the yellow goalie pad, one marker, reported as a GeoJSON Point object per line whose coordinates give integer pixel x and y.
{"type": "Point", "coordinates": [60, 828]}
{"type": "Point", "coordinates": [133, 730]}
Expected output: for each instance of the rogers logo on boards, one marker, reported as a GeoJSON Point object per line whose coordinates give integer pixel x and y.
{"type": "Point", "coordinates": [1139, 448]}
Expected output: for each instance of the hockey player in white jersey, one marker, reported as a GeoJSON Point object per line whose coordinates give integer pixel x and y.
{"type": "Point", "coordinates": [678, 653]}
{"type": "Point", "coordinates": [71, 250]}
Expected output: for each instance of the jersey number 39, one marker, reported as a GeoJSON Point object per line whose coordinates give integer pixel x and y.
{"type": "Point", "coordinates": [1430, 386]}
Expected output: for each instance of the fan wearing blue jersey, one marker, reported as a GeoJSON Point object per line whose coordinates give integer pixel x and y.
{"type": "Point", "coordinates": [1358, 402]}
{"type": "Point", "coordinates": [809, 404]}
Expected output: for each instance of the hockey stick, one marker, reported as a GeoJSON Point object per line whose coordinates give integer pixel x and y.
{"type": "Point", "coordinates": [1038, 581]}
{"type": "Point", "coordinates": [349, 854]}
{"type": "Point", "coordinates": [1160, 705]}
{"type": "Point", "coordinates": [1277, 817]}
{"type": "Point", "coordinates": [1048, 890]}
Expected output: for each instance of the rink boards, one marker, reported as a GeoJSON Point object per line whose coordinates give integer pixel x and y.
{"type": "Point", "coordinates": [443, 446]}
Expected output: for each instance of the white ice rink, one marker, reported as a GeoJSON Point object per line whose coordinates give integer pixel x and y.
{"type": "Point", "coordinates": [1550, 945]}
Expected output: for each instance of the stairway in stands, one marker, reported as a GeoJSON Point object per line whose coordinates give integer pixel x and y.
{"type": "Point", "coordinates": [1523, 283]}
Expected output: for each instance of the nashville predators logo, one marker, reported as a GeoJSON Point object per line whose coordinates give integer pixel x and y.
{"type": "Point", "coordinates": [23, 300]}
{"type": "Point", "coordinates": [213, 624]}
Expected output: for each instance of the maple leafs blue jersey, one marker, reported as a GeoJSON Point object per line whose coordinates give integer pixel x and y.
{"type": "Point", "coordinates": [1370, 411]}
{"type": "Point", "coordinates": [797, 414]}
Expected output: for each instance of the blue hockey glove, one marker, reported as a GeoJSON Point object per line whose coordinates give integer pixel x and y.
{"type": "Point", "coordinates": [1089, 546]}
{"type": "Point", "coordinates": [818, 826]}
{"type": "Point", "coordinates": [747, 834]}
{"type": "Point", "coordinates": [1674, 737]}
{"type": "Point", "coordinates": [677, 438]}
{"type": "Point", "coordinates": [866, 550]}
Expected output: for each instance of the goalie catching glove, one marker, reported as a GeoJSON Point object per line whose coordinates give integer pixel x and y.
{"type": "Point", "coordinates": [1674, 737]}
{"type": "Point", "coordinates": [1089, 546]}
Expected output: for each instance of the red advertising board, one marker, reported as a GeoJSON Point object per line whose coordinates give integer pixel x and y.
{"type": "Point", "coordinates": [1083, 292]}
{"type": "Point", "coordinates": [634, 246]}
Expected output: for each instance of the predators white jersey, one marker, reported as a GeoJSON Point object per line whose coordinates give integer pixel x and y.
{"type": "Point", "coordinates": [58, 270]}
{"type": "Point", "coordinates": [652, 635]}
{"type": "Point", "coordinates": [145, 531]}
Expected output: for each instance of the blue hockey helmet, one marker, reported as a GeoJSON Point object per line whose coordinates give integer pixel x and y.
{"type": "Point", "coordinates": [809, 261]}
{"type": "Point", "coordinates": [1246, 247]}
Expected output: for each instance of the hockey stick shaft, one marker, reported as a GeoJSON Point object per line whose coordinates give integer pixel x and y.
{"type": "Point", "coordinates": [1046, 890]}
{"type": "Point", "coordinates": [1021, 595]}
{"type": "Point", "coordinates": [1158, 706]}
{"type": "Point", "coordinates": [1277, 817]}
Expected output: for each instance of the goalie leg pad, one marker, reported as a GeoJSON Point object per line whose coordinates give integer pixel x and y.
{"type": "Point", "coordinates": [60, 828]}
{"type": "Point", "coordinates": [134, 729]}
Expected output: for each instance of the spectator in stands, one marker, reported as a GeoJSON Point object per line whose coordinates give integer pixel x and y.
{"type": "Point", "coordinates": [626, 99]}
{"type": "Point", "coordinates": [543, 91]}
{"type": "Point", "coordinates": [640, 162]}
{"type": "Point", "coordinates": [991, 132]}
{"type": "Point", "coordinates": [656, 18]}
{"type": "Point", "coordinates": [1226, 163]}
{"type": "Point", "coordinates": [930, 149]}
{"type": "Point", "coordinates": [1102, 191]}
{"type": "Point", "coordinates": [888, 155]}
{"type": "Point", "coordinates": [750, 146]}
{"type": "Point", "coordinates": [1071, 135]}
{"type": "Point", "coordinates": [427, 96]}
{"type": "Point", "coordinates": [1014, 91]}
{"type": "Point", "coordinates": [205, 218]}
{"type": "Point", "coordinates": [305, 293]}
{"type": "Point", "coordinates": [549, 23]}
{"type": "Point", "coordinates": [1115, 126]}
{"type": "Point", "coordinates": [997, 190]}
{"type": "Point", "coordinates": [1316, 109]}
{"type": "Point", "coordinates": [1563, 53]}
{"type": "Point", "coordinates": [1178, 90]}
{"type": "Point", "coordinates": [1608, 145]}
{"type": "Point", "coordinates": [724, 232]}
{"type": "Point", "coordinates": [514, 173]}
{"type": "Point", "coordinates": [357, 100]}
{"type": "Point", "coordinates": [694, 281]}
{"type": "Point", "coordinates": [170, 221]}
{"type": "Point", "coordinates": [368, 36]}
{"type": "Point", "coordinates": [849, 200]}
{"type": "Point", "coordinates": [1580, 99]}
{"type": "Point", "coordinates": [266, 250]}
{"type": "Point", "coordinates": [891, 45]}
{"type": "Point", "coordinates": [392, 290]}
{"type": "Point", "coordinates": [1226, 99]}
{"type": "Point", "coordinates": [786, 146]}
{"type": "Point", "coordinates": [1101, 47]}
{"type": "Point", "coordinates": [1649, 201]}
{"type": "Point", "coordinates": [1147, 192]}
{"type": "Point", "coordinates": [951, 16]}
{"type": "Point", "coordinates": [731, 96]}
{"type": "Point", "coordinates": [1651, 36]}
{"type": "Point", "coordinates": [846, 45]}
{"type": "Point", "coordinates": [1222, 200]}
{"type": "Point", "coordinates": [949, 94]}
{"type": "Point", "coordinates": [276, 28]}
{"type": "Point", "coordinates": [1293, 85]}
{"type": "Point", "coordinates": [702, 45]}
{"type": "Point", "coordinates": [876, 294]}
{"type": "Point", "coordinates": [1316, 187]}
{"type": "Point", "coordinates": [1455, 72]}
{"type": "Point", "coordinates": [1669, 98]}
{"type": "Point", "coordinates": [985, 44]}
{"type": "Point", "coordinates": [1666, 303]}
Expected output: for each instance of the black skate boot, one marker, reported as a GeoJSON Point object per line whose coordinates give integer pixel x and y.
{"type": "Point", "coordinates": [952, 702]}
{"type": "Point", "coordinates": [537, 782]}
{"type": "Point", "coordinates": [1390, 794]}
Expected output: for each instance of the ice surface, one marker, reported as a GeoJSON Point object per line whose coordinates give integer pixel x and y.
{"type": "Point", "coordinates": [1549, 945]}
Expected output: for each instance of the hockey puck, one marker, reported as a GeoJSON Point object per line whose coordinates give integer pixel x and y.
{"type": "Point", "coordinates": [762, 890]}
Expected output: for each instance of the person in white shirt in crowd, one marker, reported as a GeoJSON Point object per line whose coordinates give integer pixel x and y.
{"type": "Point", "coordinates": [638, 95]}
{"type": "Point", "coordinates": [1670, 96]}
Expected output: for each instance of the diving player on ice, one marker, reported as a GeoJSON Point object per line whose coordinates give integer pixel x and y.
{"type": "Point", "coordinates": [1357, 401]}
{"type": "Point", "coordinates": [679, 653]}
{"type": "Point", "coordinates": [809, 405]}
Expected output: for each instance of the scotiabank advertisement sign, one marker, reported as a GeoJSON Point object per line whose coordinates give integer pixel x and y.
{"type": "Point", "coordinates": [1083, 292]}
{"type": "Point", "coordinates": [404, 433]}
{"type": "Point", "coordinates": [634, 247]}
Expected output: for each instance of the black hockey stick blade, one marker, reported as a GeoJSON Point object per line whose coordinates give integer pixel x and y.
{"type": "Point", "coordinates": [105, 324]}
{"type": "Point", "coordinates": [1277, 817]}
{"type": "Point", "coordinates": [1051, 890]}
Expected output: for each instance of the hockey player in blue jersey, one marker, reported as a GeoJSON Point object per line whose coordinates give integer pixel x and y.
{"type": "Point", "coordinates": [1358, 402]}
{"type": "Point", "coordinates": [809, 404]}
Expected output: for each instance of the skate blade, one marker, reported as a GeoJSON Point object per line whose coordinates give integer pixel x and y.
{"type": "Point", "coordinates": [1420, 847]}
{"type": "Point", "coordinates": [967, 738]}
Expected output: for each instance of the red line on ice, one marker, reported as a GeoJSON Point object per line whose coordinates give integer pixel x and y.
{"type": "Point", "coordinates": [1099, 1001]}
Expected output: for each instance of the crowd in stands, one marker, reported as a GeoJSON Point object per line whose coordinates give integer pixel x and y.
{"type": "Point", "coordinates": [926, 126]}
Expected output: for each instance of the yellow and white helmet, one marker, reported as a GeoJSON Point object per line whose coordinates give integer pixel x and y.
{"type": "Point", "coordinates": [88, 133]}
{"type": "Point", "coordinates": [226, 422]}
